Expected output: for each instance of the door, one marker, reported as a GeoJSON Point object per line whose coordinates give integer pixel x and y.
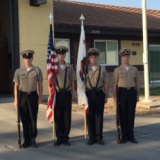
{"type": "Point", "coordinates": [4, 68]}
{"type": "Point", "coordinates": [154, 54]}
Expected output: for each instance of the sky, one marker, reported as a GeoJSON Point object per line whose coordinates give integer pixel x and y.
{"type": "Point", "coordinates": [151, 4]}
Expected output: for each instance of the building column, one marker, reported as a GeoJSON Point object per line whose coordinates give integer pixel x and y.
{"type": "Point", "coordinates": [33, 32]}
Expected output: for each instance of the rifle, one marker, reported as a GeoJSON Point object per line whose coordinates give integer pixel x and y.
{"type": "Point", "coordinates": [118, 119]}
{"type": "Point", "coordinates": [18, 120]}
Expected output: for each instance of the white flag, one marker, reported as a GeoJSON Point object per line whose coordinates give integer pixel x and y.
{"type": "Point", "coordinates": [82, 99]}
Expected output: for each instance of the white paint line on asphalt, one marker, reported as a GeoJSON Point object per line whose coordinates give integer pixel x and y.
{"type": "Point", "coordinates": [82, 139]}
{"type": "Point", "coordinates": [10, 148]}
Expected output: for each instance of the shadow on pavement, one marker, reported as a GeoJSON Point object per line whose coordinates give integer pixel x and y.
{"type": "Point", "coordinates": [149, 131]}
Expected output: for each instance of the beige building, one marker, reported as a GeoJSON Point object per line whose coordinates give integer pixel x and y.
{"type": "Point", "coordinates": [23, 26]}
{"type": "Point", "coordinates": [110, 29]}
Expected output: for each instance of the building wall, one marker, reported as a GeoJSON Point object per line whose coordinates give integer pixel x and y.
{"type": "Point", "coordinates": [33, 32]}
{"type": "Point", "coordinates": [137, 48]}
{"type": "Point", "coordinates": [5, 22]}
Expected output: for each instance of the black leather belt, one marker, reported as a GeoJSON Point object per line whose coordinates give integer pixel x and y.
{"type": "Point", "coordinates": [126, 88]}
{"type": "Point", "coordinates": [63, 90]}
{"type": "Point", "coordinates": [94, 89]}
{"type": "Point", "coordinates": [29, 93]}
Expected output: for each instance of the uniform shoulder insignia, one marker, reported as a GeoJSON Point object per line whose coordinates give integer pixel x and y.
{"type": "Point", "coordinates": [118, 68]}
{"type": "Point", "coordinates": [18, 69]}
{"type": "Point", "coordinates": [21, 69]}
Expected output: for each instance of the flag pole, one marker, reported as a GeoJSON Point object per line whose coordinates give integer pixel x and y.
{"type": "Point", "coordinates": [145, 52]}
{"type": "Point", "coordinates": [85, 135]}
{"type": "Point", "coordinates": [85, 125]}
{"type": "Point", "coordinates": [53, 124]}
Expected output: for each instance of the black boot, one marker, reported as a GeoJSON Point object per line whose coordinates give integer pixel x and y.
{"type": "Point", "coordinates": [123, 141]}
{"type": "Point", "coordinates": [133, 141]}
{"type": "Point", "coordinates": [26, 144]}
{"type": "Point", "coordinates": [90, 142]}
{"type": "Point", "coordinates": [57, 143]}
{"type": "Point", "coordinates": [100, 141]}
{"type": "Point", "coordinates": [34, 144]}
{"type": "Point", "coordinates": [66, 143]}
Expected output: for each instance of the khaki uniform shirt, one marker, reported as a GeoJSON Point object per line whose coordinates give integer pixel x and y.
{"type": "Point", "coordinates": [126, 78]}
{"type": "Point", "coordinates": [28, 80]}
{"type": "Point", "coordinates": [70, 76]}
{"type": "Point", "coordinates": [93, 77]}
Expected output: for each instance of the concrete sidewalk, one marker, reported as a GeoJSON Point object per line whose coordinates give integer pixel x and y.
{"type": "Point", "coordinates": [147, 132]}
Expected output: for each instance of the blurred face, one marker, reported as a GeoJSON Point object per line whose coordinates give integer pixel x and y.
{"type": "Point", "coordinates": [93, 59]}
{"type": "Point", "coordinates": [27, 62]}
{"type": "Point", "coordinates": [61, 57]}
{"type": "Point", "coordinates": [125, 59]}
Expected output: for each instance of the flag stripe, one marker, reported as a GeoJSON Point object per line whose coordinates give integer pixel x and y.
{"type": "Point", "coordinates": [52, 71]}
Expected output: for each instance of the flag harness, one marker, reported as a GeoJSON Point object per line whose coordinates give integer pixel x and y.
{"type": "Point", "coordinates": [93, 88]}
{"type": "Point", "coordinates": [64, 86]}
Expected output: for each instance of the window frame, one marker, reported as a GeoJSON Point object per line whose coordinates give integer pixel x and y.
{"type": "Point", "coordinates": [104, 40]}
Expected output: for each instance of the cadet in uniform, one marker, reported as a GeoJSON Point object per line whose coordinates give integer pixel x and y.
{"type": "Point", "coordinates": [96, 92]}
{"type": "Point", "coordinates": [28, 90]}
{"type": "Point", "coordinates": [65, 86]}
{"type": "Point", "coordinates": [126, 95]}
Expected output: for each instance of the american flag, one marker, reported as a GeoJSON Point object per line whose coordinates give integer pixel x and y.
{"type": "Point", "coordinates": [52, 71]}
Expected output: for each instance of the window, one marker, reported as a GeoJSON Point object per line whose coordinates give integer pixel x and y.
{"type": "Point", "coordinates": [66, 43]}
{"type": "Point", "coordinates": [108, 52]}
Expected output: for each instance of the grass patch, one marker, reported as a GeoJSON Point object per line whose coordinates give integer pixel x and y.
{"type": "Point", "coordinates": [154, 91]}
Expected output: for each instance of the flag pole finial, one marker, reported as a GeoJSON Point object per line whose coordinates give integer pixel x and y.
{"type": "Point", "coordinates": [51, 18]}
{"type": "Point", "coordinates": [82, 18]}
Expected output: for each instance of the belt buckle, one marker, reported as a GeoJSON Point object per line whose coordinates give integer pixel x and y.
{"type": "Point", "coordinates": [28, 93]}
{"type": "Point", "coordinates": [62, 90]}
{"type": "Point", "coordinates": [128, 88]}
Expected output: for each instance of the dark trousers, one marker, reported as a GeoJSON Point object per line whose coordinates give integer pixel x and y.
{"type": "Point", "coordinates": [127, 100]}
{"type": "Point", "coordinates": [62, 115]}
{"type": "Point", "coordinates": [28, 113]}
{"type": "Point", "coordinates": [96, 101]}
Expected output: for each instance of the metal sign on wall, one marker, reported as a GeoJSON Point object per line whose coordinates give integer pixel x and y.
{"type": "Point", "coordinates": [37, 2]}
